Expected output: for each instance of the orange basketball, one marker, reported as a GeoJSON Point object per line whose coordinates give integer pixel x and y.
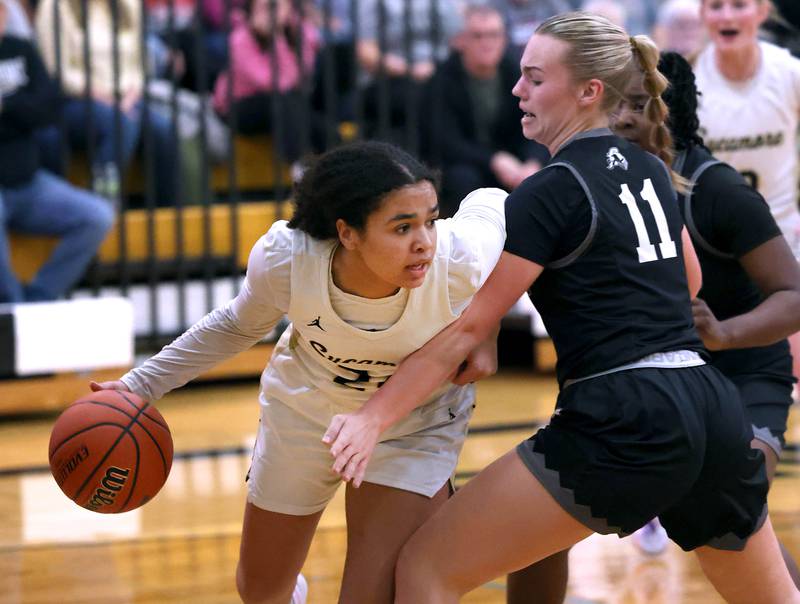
{"type": "Point", "coordinates": [110, 452]}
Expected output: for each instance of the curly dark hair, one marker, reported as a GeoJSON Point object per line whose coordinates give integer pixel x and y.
{"type": "Point", "coordinates": [681, 98]}
{"type": "Point", "coordinates": [350, 182]}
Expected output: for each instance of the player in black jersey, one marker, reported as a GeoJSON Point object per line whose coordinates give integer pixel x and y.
{"type": "Point", "coordinates": [750, 300]}
{"type": "Point", "coordinates": [748, 305]}
{"type": "Point", "coordinates": [642, 427]}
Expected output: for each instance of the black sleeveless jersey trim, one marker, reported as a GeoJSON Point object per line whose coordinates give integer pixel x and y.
{"type": "Point", "coordinates": [587, 241]}
{"type": "Point", "coordinates": [689, 217]}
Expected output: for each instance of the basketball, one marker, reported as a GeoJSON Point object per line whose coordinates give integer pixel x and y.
{"type": "Point", "coordinates": [110, 452]}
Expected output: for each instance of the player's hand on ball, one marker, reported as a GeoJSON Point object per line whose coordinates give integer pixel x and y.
{"type": "Point", "coordinates": [115, 385]}
{"type": "Point", "coordinates": [352, 438]}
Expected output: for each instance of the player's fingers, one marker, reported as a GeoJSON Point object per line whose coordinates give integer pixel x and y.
{"type": "Point", "coordinates": [359, 476]}
{"type": "Point", "coordinates": [342, 458]}
{"type": "Point", "coordinates": [351, 467]}
{"type": "Point", "coordinates": [117, 385]}
{"type": "Point", "coordinates": [332, 432]}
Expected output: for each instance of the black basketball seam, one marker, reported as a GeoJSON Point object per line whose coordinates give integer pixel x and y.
{"type": "Point", "coordinates": [140, 424]}
{"type": "Point", "coordinates": [142, 410]}
{"type": "Point", "coordinates": [135, 473]}
{"type": "Point", "coordinates": [125, 430]}
{"type": "Point", "coordinates": [125, 413]}
{"type": "Point", "coordinates": [160, 423]}
{"type": "Point", "coordinates": [158, 446]}
{"type": "Point", "coordinates": [135, 420]}
{"type": "Point", "coordinates": [74, 434]}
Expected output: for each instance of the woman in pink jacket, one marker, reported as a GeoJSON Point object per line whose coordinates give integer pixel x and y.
{"type": "Point", "coordinates": [264, 80]}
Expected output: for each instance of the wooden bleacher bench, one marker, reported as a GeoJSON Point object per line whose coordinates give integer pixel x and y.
{"type": "Point", "coordinates": [255, 170]}
{"type": "Point", "coordinates": [254, 218]}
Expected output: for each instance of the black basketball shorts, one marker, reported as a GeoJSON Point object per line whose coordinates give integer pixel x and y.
{"type": "Point", "coordinates": [767, 400]}
{"type": "Point", "coordinates": [626, 447]}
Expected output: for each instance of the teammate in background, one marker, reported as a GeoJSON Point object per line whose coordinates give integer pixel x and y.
{"type": "Point", "coordinates": [643, 427]}
{"type": "Point", "coordinates": [750, 109]}
{"type": "Point", "coordinates": [750, 299]}
{"type": "Point", "coordinates": [367, 275]}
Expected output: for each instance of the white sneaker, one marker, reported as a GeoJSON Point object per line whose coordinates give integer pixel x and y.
{"type": "Point", "coordinates": [652, 539]}
{"type": "Point", "coordinates": [300, 592]}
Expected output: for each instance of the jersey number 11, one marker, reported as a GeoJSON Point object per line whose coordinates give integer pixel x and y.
{"type": "Point", "coordinates": [645, 249]}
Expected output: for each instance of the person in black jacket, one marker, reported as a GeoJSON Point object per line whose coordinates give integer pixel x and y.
{"type": "Point", "coordinates": [470, 122]}
{"type": "Point", "coordinates": [31, 199]}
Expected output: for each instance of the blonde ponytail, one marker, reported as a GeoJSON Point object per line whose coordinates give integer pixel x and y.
{"type": "Point", "coordinates": [655, 110]}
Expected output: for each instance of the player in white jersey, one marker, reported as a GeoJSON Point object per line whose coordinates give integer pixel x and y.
{"type": "Point", "coordinates": [366, 275]}
{"type": "Point", "coordinates": [750, 108]}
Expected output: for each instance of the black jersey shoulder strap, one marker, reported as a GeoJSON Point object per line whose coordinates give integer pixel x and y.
{"type": "Point", "coordinates": [576, 253]}
{"type": "Point", "coordinates": [687, 211]}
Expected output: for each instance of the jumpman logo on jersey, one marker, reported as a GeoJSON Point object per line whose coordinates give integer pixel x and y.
{"type": "Point", "coordinates": [315, 323]}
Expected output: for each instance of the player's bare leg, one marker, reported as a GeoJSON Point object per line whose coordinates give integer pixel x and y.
{"type": "Point", "coordinates": [379, 522]}
{"type": "Point", "coordinates": [544, 582]}
{"type": "Point", "coordinates": [501, 521]}
{"type": "Point", "coordinates": [772, 464]}
{"type": "Point", "coordinates": [757, 573]}
{"type": "Point", "coordinates": [274, 547]}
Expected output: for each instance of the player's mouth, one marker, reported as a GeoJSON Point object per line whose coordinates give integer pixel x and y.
{"type": "Point", "coordinates": [728, 33]}
{"type": "Point", "coordinates": [418, 270]}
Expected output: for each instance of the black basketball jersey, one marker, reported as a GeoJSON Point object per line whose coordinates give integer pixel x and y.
{"type": "Point", "coordinates": [603, 220]}
{"type": "Point", "coordinates": [726, 219]}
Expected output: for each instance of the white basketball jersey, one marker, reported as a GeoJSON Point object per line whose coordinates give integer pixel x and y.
{"type": "Point", "coordinates": [752, 126]}
{"type": "Point", "coordinates": [322, 351]}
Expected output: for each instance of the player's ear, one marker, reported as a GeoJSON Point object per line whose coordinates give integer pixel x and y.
{"type": "Point", "coordinates": [590, 92]}
{"type": "Point", "coordinates": [348, 236]}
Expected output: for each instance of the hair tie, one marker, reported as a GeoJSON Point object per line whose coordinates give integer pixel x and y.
{"type": "Point", "coordinates": [632, 41]}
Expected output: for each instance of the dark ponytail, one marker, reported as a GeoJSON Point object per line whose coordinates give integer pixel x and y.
{"type": "Point", "coordinates": [681, 98]}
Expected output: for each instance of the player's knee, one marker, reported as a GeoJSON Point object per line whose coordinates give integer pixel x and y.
{"type": "Point", "coordinates": [254, 588]}
{"type": "Point", "coordinates": [415, 571]}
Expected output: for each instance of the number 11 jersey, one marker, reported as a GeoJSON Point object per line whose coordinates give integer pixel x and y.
{"type": "Point", "coordinates": [603, 220]}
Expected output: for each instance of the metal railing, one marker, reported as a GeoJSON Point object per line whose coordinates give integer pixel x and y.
{"type": "Point", "coordinates": [332, 93]}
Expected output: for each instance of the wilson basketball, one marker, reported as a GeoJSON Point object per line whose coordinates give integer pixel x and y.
{"type": "Point", "coordinates": [110, 452]}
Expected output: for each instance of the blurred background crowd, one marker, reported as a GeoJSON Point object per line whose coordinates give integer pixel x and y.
{"type": "Point", "coordinates": [113, 106]}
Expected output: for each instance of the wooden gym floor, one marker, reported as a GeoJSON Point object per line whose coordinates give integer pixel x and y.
{"type": "Point", "coordinates": [183, 546]}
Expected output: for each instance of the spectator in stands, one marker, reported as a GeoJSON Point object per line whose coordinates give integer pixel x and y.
{"type": "Point", "coordinates": [678, 28]}
{"type": "Point", "coordinates": [613, 10]}
{"type": "Point", "coordinates": [18, 23]}
{"type": "Point", "coordinates": [215, 37]}
{"type": "Point", "coordinates": [262, 94]}
{"type": "Point", "coordinates": [202, 42]}
{"type": "Point", "coordinates": [475, 131]}
{"type": "Point", "coordinates": [398, 46]}
{"type": "Point", "coordinates": [31, 199]}
{"type": "Point", "coordinates": [640, 15]}
{"type": "Point", "coordinates": [164, 31]}
{"type": "Point", "coordinates": [522, 17]}
{"type": "Point", "coordinates": [335, 72]}
{"type": "Point", "coordinates": [106, 172]}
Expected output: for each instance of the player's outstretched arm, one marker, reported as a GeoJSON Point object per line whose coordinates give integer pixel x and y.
{"type": "Point", "coordinates": [352, 437]}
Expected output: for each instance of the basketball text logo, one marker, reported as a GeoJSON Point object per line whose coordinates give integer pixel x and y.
{"type": "Point", "coordinates": [69, 466]}
{"type": "Point", "coordinates": [112, 484]}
